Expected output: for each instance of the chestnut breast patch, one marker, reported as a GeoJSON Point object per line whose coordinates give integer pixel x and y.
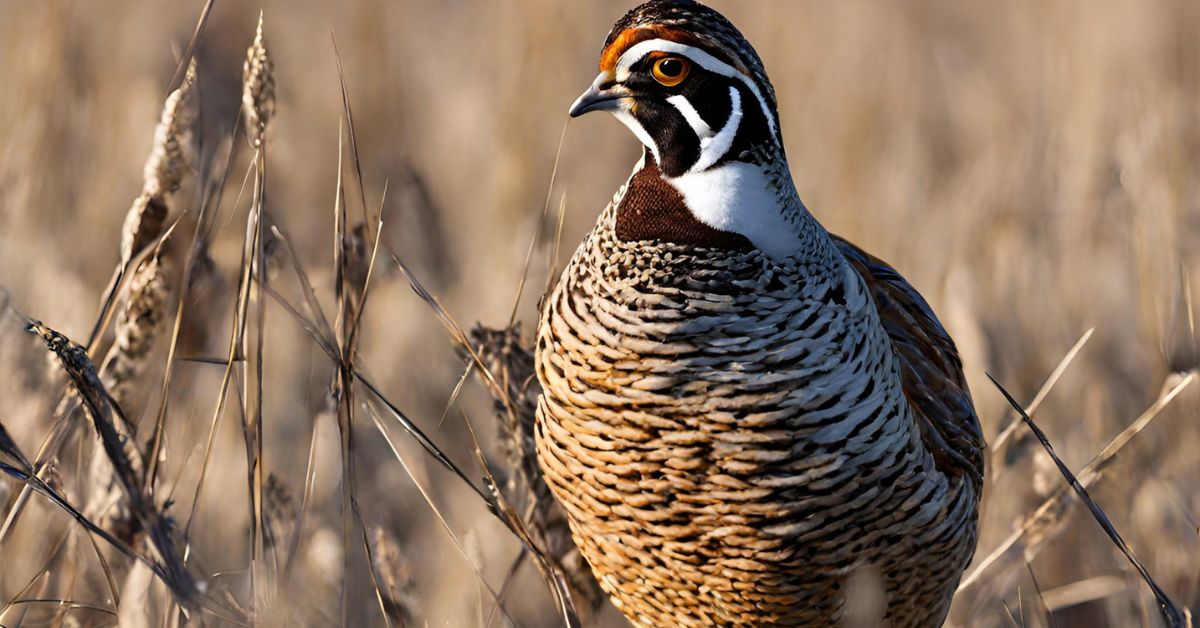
{"type": "Point", "coordinates": [653, 210]}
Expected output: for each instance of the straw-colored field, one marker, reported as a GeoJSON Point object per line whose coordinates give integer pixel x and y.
{"type": "Point", "coordinates": [1033, 167]}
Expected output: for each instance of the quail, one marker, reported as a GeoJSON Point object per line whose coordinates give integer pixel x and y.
{"type": "Point", "coordinates": [747, 419]}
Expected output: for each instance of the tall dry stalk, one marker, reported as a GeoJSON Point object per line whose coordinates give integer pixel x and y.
{"type": "Point", "coordinates": [160, 555]}
{"type": "Point", "coordinates": [258, 108]}
{"type": "Point", "coordinates": [164, 171]}
{"type": "Point", "coordinates": [139, 290]}
{"type": "Point", "coordinates": [143, 302]}
{"type": "Point", "coordinates": [508, 358]}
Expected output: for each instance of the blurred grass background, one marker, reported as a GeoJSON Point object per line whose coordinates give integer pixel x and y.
{"type": "Point", "coordinates": [1031, 166]}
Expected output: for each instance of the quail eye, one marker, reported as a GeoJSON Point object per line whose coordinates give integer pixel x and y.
{"type": "Point", "coordinates": [671, 71]}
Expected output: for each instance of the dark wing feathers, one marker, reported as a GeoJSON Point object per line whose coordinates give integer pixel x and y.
{"type": "Point", "coordinates": [930, 370]}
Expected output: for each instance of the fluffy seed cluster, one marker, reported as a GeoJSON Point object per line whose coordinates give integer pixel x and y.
{"type": "Point", "coordinates": [137, 323]}
{"type": "Point", "coordinates": [163, 172]}
{"type": "Point", "coordinates": [398, 577]}
{"type": "Point", "coordinates": [258, 87]}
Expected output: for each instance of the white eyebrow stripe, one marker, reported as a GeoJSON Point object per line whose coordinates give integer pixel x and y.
{"type": "Point", "coordinates": [702, 129]}
{"type": "Point", "coordinates": [698, 56]}
{"type": "Point", "coordinates": [712, 149]}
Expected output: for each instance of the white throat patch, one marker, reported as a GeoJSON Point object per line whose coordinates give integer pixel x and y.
{"type": "Point", "coordinates": [739, 198]}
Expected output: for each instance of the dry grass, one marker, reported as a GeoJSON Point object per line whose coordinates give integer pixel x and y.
{"type": "Point", "coordinates": [1031, 166]}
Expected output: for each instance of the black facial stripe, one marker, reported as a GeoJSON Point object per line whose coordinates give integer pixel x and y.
{"type": "Point", "coordinates": [678, 145]}
{"type": "Point", "coordinates": [709, 95]}
{"type": "Point", "coordinates": [753, 131]}
{"type": "Point", "coordinates": [677, 142]}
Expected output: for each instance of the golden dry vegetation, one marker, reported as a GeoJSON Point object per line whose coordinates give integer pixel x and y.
{"type": "Point", "coordinates": [1032, 166]}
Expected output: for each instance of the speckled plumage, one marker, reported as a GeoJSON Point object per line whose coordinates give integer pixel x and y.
{"type": "Point", "coordinates": [736, 438]}
{"type": "Point", "coordinates": [730, 439]}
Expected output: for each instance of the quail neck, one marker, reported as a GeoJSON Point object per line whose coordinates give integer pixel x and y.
{"type": "Point", "coordinates": [703, 108]}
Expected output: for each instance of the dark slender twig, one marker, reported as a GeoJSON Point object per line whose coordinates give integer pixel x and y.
{"type": "Point", "coordinates": [1172, 615]}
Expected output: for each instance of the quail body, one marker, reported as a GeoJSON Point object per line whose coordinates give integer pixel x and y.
{"type": "Point", "coordinates": [747, 420]}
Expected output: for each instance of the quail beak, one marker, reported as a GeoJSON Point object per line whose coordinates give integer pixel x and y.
{"type": "Point", "coordinates": [604, 95]}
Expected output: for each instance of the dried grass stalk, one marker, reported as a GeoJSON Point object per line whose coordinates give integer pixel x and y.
{"type": "Point", "coordinates": [138, 321]}
{"type": "Point", "coordinates": [143, 304]}
{"type": "Point", "coordinates": [1174, 615]}
{"type": "Point", "coordinates": [258, 87]}
{"type": "Point", "coordinates": [105, 415]}
{"type": "Point", "coordinates": [1048, 521]}
{"type": "Point", "coordinates": [397, 574]}
{"type": "Point", "coordinates": [125, 458]}
{"type": "Point", "coordinates": [508, 358]}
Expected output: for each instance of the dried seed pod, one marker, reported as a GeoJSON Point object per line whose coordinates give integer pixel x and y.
{"type": "Point", "coordinates": [144, 301]}
{"type": "Point", "coordinates": [141, 312]}
{"type": "Point", "coordinates": [397, 576]}
{"type": "Point", "coordinates": [163, 172]}
{"type": "Point", "coordinates": [258, 87]}
{"type": "Point", "coordinates": [138, 320]}
{"type": "Point", "coordinates": [143, 223]}
{"type": "Point", "coordinates": [166, 164]}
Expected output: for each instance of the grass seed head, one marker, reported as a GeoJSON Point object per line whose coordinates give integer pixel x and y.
{"type": "Point", "coordinates": [138, 321]}
{"type": "Point", "coordinates": [164, 171]}
{"type": "Point", "coordinates": [258, 87]}
{"type": "Point", "coordinates": [167, 163]}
